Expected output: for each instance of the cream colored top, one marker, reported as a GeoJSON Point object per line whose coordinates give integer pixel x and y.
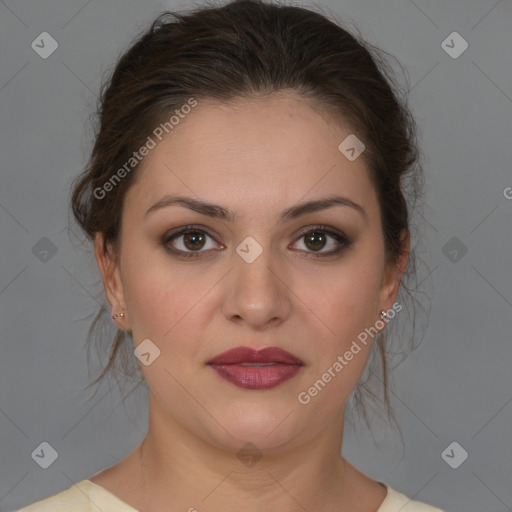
{"type": "Point", "coordinates": [86, 496]}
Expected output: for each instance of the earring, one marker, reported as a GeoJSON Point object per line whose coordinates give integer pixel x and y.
{"type": "Point", "coordinates": [383, 314]}
{"type": "Point", "coordinates": [118, 315]}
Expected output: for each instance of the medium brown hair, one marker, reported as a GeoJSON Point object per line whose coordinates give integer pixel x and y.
{"type": "Point", "coordinates": [233, 52]}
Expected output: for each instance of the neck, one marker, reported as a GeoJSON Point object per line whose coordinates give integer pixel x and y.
{"type": "Point", "coordinates": [178, 467]}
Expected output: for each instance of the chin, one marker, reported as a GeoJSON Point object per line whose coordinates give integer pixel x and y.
{"type": "Point", "coordinates": [265, 427]}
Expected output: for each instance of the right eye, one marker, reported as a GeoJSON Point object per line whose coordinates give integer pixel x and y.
{"type": "Point", "coordinates": [193, 240]}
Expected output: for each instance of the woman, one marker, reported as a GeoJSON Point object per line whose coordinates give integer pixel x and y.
{"type": "Point", "coordinates": [245, 199]}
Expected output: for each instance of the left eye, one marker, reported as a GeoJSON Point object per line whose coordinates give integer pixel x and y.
{"type": "Point", "coordinates": [316, 239]}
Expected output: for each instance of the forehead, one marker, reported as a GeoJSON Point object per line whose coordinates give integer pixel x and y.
{"type": "Point", "coordinates": [278, 148]}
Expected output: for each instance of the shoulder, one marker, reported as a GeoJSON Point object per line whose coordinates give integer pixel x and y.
{"type": "Point", "coordinates": [84, 496]}
{"type": "Point", "coordinates": [397, 502]}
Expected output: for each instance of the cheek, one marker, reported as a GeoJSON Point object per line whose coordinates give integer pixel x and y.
{"type": "Point", "coordinates": [350, 295]}
{"type": "Point", "coordinates": [160, 307]}
{"type": "Point", "coordinates": [166, 300]}
{"type": "Point", "coordinates": [155, 293]}
{"type": "Point", "coordinates": [344, 338]}
{"type": "Point", "coordinates": [348, 299]}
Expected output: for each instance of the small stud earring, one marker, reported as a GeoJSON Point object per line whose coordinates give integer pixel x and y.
{"type": "Point", "coordinates": [383, 314]}
{"type": "Point", "coordinates": [118, 315]}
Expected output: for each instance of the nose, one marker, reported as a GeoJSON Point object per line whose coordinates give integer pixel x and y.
{"type": "Point", "coordinates": [256, 289]}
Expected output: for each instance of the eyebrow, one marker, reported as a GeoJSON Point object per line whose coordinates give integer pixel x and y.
{"type": "Point", "coordinates": [216, 211]}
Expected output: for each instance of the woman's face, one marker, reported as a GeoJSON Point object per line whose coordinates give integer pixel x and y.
{"type": "Point", "coordinates": [256, 279]}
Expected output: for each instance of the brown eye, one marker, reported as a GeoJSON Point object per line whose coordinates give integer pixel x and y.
{"type": "Point", "coordinates": [320, 237]}
{"type": "Point", "coordinates": [315, 240]}
{"type": "Point", "coordinates": [193, 240]}
{"type": "Point", "coordinates": [189, 242]}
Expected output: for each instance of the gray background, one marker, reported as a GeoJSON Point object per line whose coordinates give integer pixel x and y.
{"type": "Point", "coordinates": [457, 386]}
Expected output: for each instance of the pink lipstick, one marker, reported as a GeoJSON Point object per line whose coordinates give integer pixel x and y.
{"type": "Point", "coordinates": [256, 369]}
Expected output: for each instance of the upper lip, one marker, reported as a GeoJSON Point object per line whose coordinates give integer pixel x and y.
{"type": "Point", "coordinates": [249, 355]}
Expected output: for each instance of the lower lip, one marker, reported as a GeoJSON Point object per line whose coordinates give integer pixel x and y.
{"type": "Point", "coordinates": [256, 377]}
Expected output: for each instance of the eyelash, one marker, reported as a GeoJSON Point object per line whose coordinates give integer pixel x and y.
{"type": "Point", "coordinates": [338, 236]}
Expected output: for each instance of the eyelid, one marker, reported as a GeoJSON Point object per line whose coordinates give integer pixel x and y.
{"type": "Point", "coordinates": [190, 227]}
{"type": "Point", "coordinates": [177, 232]}
{"type": "Point", "coordinates": [326, 229]}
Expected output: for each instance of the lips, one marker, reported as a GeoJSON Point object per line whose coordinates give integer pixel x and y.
{"type": "Point", "coordinates": [246, 355]}
{"type": "Point", "coordinates": [256, 369]}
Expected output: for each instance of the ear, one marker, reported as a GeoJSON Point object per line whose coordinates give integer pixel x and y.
{"type": "Point", "coordinates": [394, 273]}
{"type": "Point", "coordinates": [108, 265]}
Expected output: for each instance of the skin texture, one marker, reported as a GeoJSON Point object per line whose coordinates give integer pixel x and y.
{"type": "Point", "coordinates": [257, 158]}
